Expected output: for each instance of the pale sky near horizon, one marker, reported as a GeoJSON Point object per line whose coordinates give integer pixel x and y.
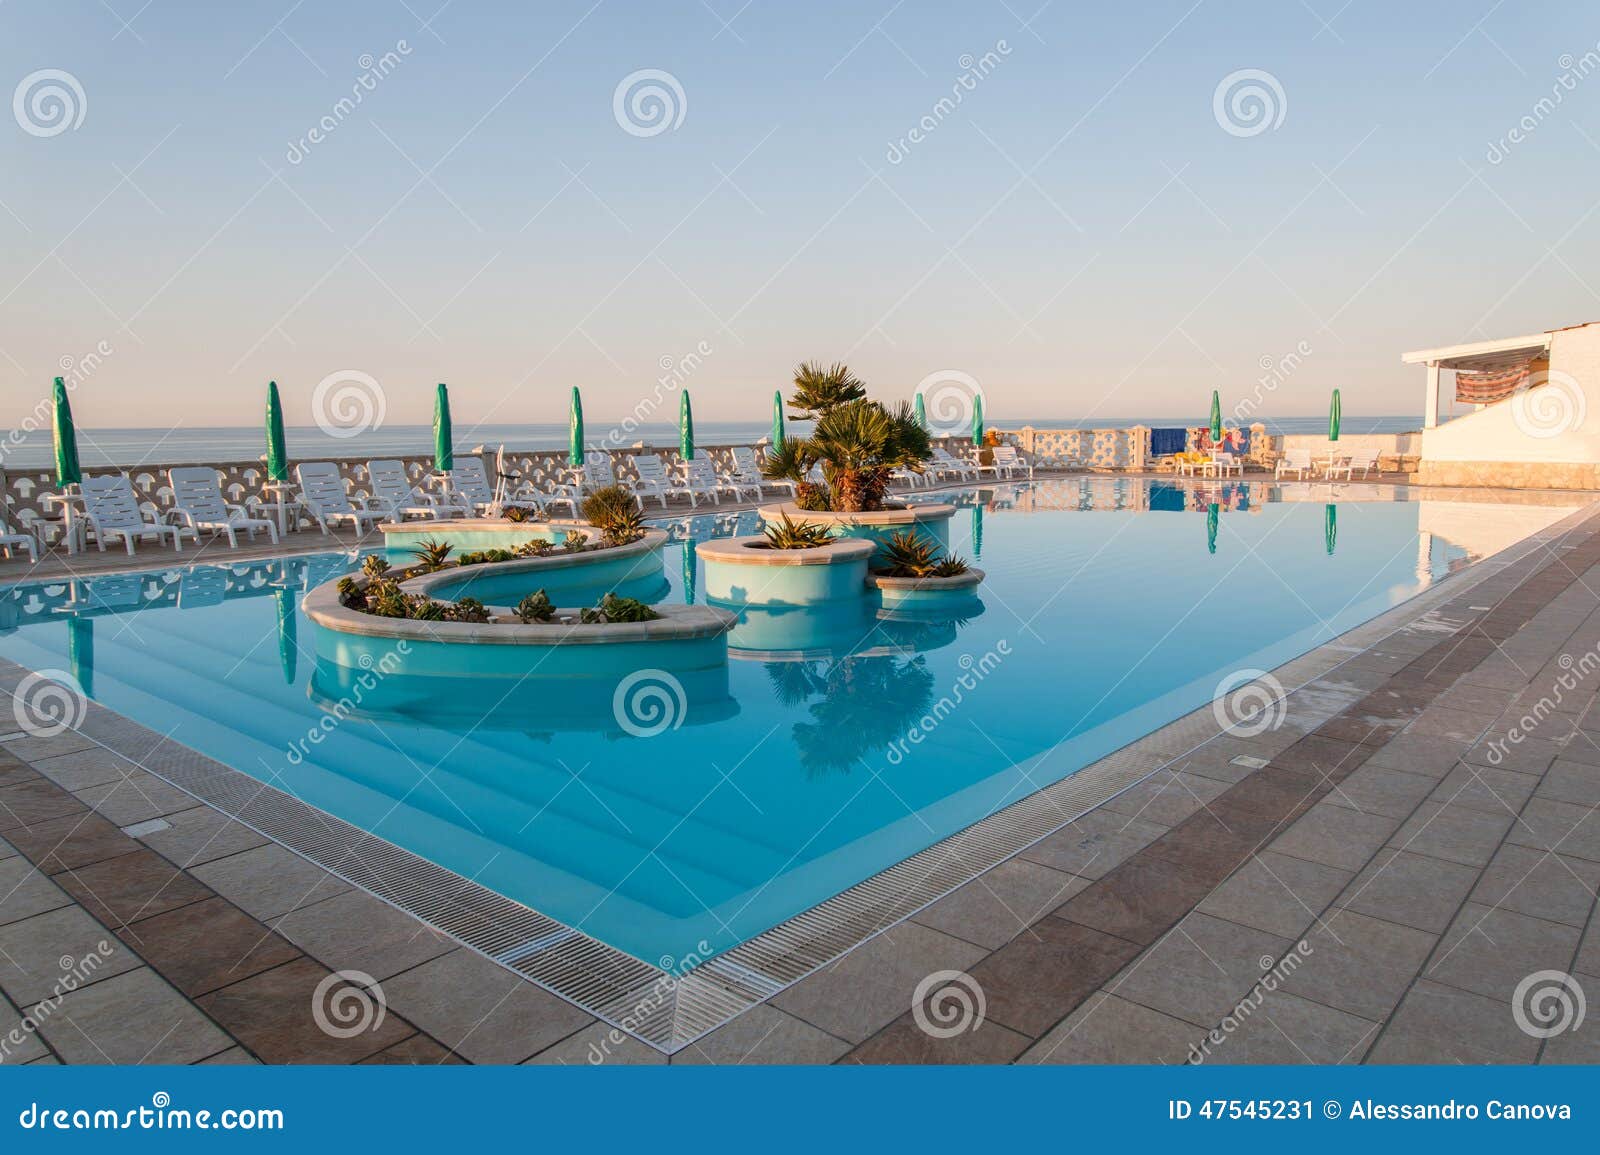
{"type": "Point", "coordinates": [1085, 232]}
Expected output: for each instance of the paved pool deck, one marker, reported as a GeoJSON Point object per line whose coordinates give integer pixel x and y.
{"type": "Point", "coordinates": [1367, 879]}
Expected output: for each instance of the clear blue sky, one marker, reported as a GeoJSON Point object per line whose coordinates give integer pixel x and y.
{"type": "Point", "coordinates": [1080, 234]}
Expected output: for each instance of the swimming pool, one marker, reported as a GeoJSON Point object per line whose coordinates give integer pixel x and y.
{"type": "Point", "coordinates": [837, 742]}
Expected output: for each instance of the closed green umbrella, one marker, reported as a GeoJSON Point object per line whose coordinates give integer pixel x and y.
{"type": "Point", "coordinates": [575, 430]}
{"type": "Point", "coordinates": [977, 420]}
{"type": "Point", "coordinates": [1335, 411]}
{"type": "Point", "coordinates": [444, 458]}
{"type": "Point", "coordinates": [688, 571]}
{"type": "Point", "coordinates": [777, 419]}
{"type": "Point", "coordinates": [1213, 520]}
{"type": "Point", "coordinates": [277, 457]}
{"type": "Point", "coordinates": [1330, 526]}
{"type": "Point", "coordinates": [80, 652]}
{"type": "Point", "coordinates": [921, 411]}
{"type": "Point", "coordinates": [977, 529]}
{"type": "Point", "coordinates": [66, 438]}
{"type": "Point", "coordinates": [1216, 418]}
{"type": "Point", "coordinates": [288, 633]}
{"type": "Point", "coordinates": [685, 427]}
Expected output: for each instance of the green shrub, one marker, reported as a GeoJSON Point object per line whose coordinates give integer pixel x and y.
{"type": "Point", "coordinates": [431, 553]}
{"type": "Point", "coordinates": [466, 610]}
{"type": "Point", "coordinates": [615, 609]}
{"type": "Point", "coordinates": [575, 541]}
{"type": "Point", "coordinates": [374, 566]}
{"type": "Point", "coordinates": [536, 607]}
{"type": "Point", "coordinates": [538, 547]}
{"type": "Point", "coordinates": [481, 556]}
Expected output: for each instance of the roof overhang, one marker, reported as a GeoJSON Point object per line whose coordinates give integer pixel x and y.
{"type": "Point", "coordinates": [1479, 352]}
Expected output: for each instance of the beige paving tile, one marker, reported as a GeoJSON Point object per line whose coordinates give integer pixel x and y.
{"type": "Point", "coordinates": [1380, 790]}
{"type": "Point", "coordinates": [1335, 836]}
{"type": "Point", "coordinates": [31, 952]}
{"type": "Point", "coordinates": [1094, 844]}
{"type": "Point", "coordinates": [873, 984]}
{"type": "Point", "coordinates": [1287, 1029]}
{"type": "Point", "coordinates": [996, 906]}
{"type": "Point", "coordinates": [269, 881]}
{"type": "Point", "coordinates": [1453, 833]}
{"type": "Point", "coordinates": [1498, 792]}
{"type": "Point", "coordinates": [82, 769]}
{"type": "Point", "coordinates": [1200, 970]}
{"type": "Point", "coordinates": [354, 931]}
{"type": "Point", "coordinates": [1577, 1045]}
{"type": "Point", "coordinates": [1108, 1029]}
{"type": "Point", "coordinates": [1489, 951]}
{"type": "Point", "coordinates": [1410, 889]}
{"type": "Point", "coordinates": [599, 1045]}
{"type": "Point", "coordinates": [1541, 884]}
{"type": "Point", "coordinates": [1565, 827]}
{"type": "Point", "coordinates": [1572, 782]}
{"type": "Point", "coordinates": [135, 797]}
{"type": "Point", "coordinates": [132, 1018]}
{"type": "Point", "coordinates": [763, 1035]}
{"type": "Point", "coordinates": [480, 1010]}
{"type": "Point", "coordinates": [232, 1057]}
{"type": "Point", "coordinates": [1276, 893]}
{"type": "Point", "coordinates": [201, 834]}
{"type": "Point", "coordinates": [1166, 797]}
{"type": "Point", "coordinates": [19, 1043]}
{"type": "Point", "coordinates": [1359, 964]}
{"type": "Point", "coordinates": [31, 748]}
{"type": "Point", "coordinates": [1441, 1024]}
{"type": "Point", "coordinates": [24, 892]}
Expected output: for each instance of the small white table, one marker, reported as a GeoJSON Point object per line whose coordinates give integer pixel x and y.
{"type": "Point", "coordinates": [281, 490]}
{"type": "Point", "coordinates": [72, 527]}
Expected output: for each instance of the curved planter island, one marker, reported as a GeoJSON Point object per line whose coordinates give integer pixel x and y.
{"type": "Point", "coordinates": [926, 594]}
{"type": "Point", "coordinates": [632, 570]}
{"type": "Point", "coordinates": [931, 521]}
{"type": "Point", "coordinates": [475, 533]}
{"type": "Point", "coordinates": [748, 571]}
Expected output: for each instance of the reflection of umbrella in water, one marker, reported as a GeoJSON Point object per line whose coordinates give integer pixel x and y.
{"type": "Point", "coordinates": [80, 651]}
{"type": "Point", "coordinates": [688, 571]}
{"type": "Point", "coordinates": [977, 529]}
{"type": "Point", "coordinates": [1330, 526]}
{"type": "Point", "coordinates": [288, 634]}
{"type": "Point", "coordinates": [1213, 512]}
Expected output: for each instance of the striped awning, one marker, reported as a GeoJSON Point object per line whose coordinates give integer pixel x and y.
{"type": "Point", "coordinates": [1492, 383]}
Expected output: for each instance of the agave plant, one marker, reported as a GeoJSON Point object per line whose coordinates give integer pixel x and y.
{"type": "Point", "coordinates": [949, 566]}
{"type": "Point", "coordinates": [517, 513]}
{"type": "Point", "coordinates": [787, 534]}
{"type": "Point", "coordinates": [374, 566]}
{"type": "Point", "coordinates": [907, 554]}
{"type": "Point", "coordinates": [615, 513]}
{"type": "Point", "coordinates": [427, 610]}
{"type": "Point", "coordinates": [431, 553]}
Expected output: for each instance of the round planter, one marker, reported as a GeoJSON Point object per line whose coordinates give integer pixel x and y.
{"type": "Point", "coordinates": [747, 571]}
{"type": "Point", "coordinates": [474, 533]}
{"type": "Point", "coordinates": [802, 633]}
{"type": "Point", "coordinates": [570, 579]}
{"type": "Point", "coordinates": [926, 594]}
{"type": "Point", "coordinates": [931, 522]}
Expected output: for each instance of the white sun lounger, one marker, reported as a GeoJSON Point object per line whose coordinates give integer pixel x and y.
{"type": "Point", "coordinates": [699, 480]}
{"type": "Point", "coordinates": [112, 511]}
{"type": "Point", "coordinates": [944, 465]}
{"type": "Point", "coordinates": [1295, 461]}
{"type": "Point", "coordinates": [197, 502]}
{"type": "Point", "coordinates": [327, 499]}
{"type": "Point", "coordinates": [11, 542]}
{"type": "Point", "coordinates": [653, 480]}
{"type": "Point", "coordinates": [397, 497]}
{"type": "Point", "coordinates": [747, 471]}
{"type": "Point", "coordinates": [1008, 461]}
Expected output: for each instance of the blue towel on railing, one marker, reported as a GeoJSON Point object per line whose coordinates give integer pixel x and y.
{"type": "Point", "coordinates": [1165, 441]}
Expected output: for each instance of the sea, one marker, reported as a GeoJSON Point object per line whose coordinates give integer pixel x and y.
{"type": "Point", "coordinates": [138, 447]}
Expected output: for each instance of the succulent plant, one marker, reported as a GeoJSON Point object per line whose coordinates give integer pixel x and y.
{"type": "Point", "coordinates": [787, 534]}
{"type": "Point", "coordinates": [949, 566]}
{"type": "Point", "coordinates": [537, 547]}
{"type": "Point", "coordinates": [907, 554]}
{"type": "Point", "coordinates": [536, 607]}
{"type": "Point", "coordinates": [374, 565]}
{"type": "Point", "coordinates": [466, 610]}
{"type": "Point", "coordinates": [431, 553]}
{"type": "Point", "coordinates": [575, 541]}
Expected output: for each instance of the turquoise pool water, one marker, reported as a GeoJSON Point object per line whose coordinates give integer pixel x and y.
{"type": "Point", "coordinates": [1111, 607]}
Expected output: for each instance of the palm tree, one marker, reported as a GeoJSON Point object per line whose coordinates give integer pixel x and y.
{"type": "Point", "coordinates": [860, 445]}
{"type": "Point", "coordinates": [818, 390]}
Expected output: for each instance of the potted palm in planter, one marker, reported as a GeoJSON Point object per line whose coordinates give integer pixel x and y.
{"type": "Point", "coordinates": [842, 471]}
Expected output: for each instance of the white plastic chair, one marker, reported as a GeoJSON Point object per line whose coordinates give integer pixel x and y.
{"type": "Point", "coordinates": [947, 466]}
{"type": "Point", "coordinates": [511, 488]}
{"type": "Point", "coordinates": [327, 499]}
{"type": "Point", "coordinates": [394, 493]}
{"type": "Point", "coordinates": [653, 480]}
{"type": "Point", "coordinates": [1295, 461]}
{"type": "Point", "coordinates": [699, 480]}
{"type": "Point", "coordinates": [1365, 461]}
{"type": "Point", "coordinates": [197, 502]}
{"type": "Point", "coordinates": [1222, 464]}
{"type": "Point", "coordinates": [10, 542]}
{"type": "Point", "coordinates": [1008, 462]}
{"type": "Point", "coordinates": [747, 470]}
{"type": "Point", "coordinates": [112, 511]}
{"type": "Point", "coordinates": [470, 491]}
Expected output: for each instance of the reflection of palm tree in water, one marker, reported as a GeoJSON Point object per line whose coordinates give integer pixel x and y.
{"type": "Point", "coordinates": [863, 705]}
